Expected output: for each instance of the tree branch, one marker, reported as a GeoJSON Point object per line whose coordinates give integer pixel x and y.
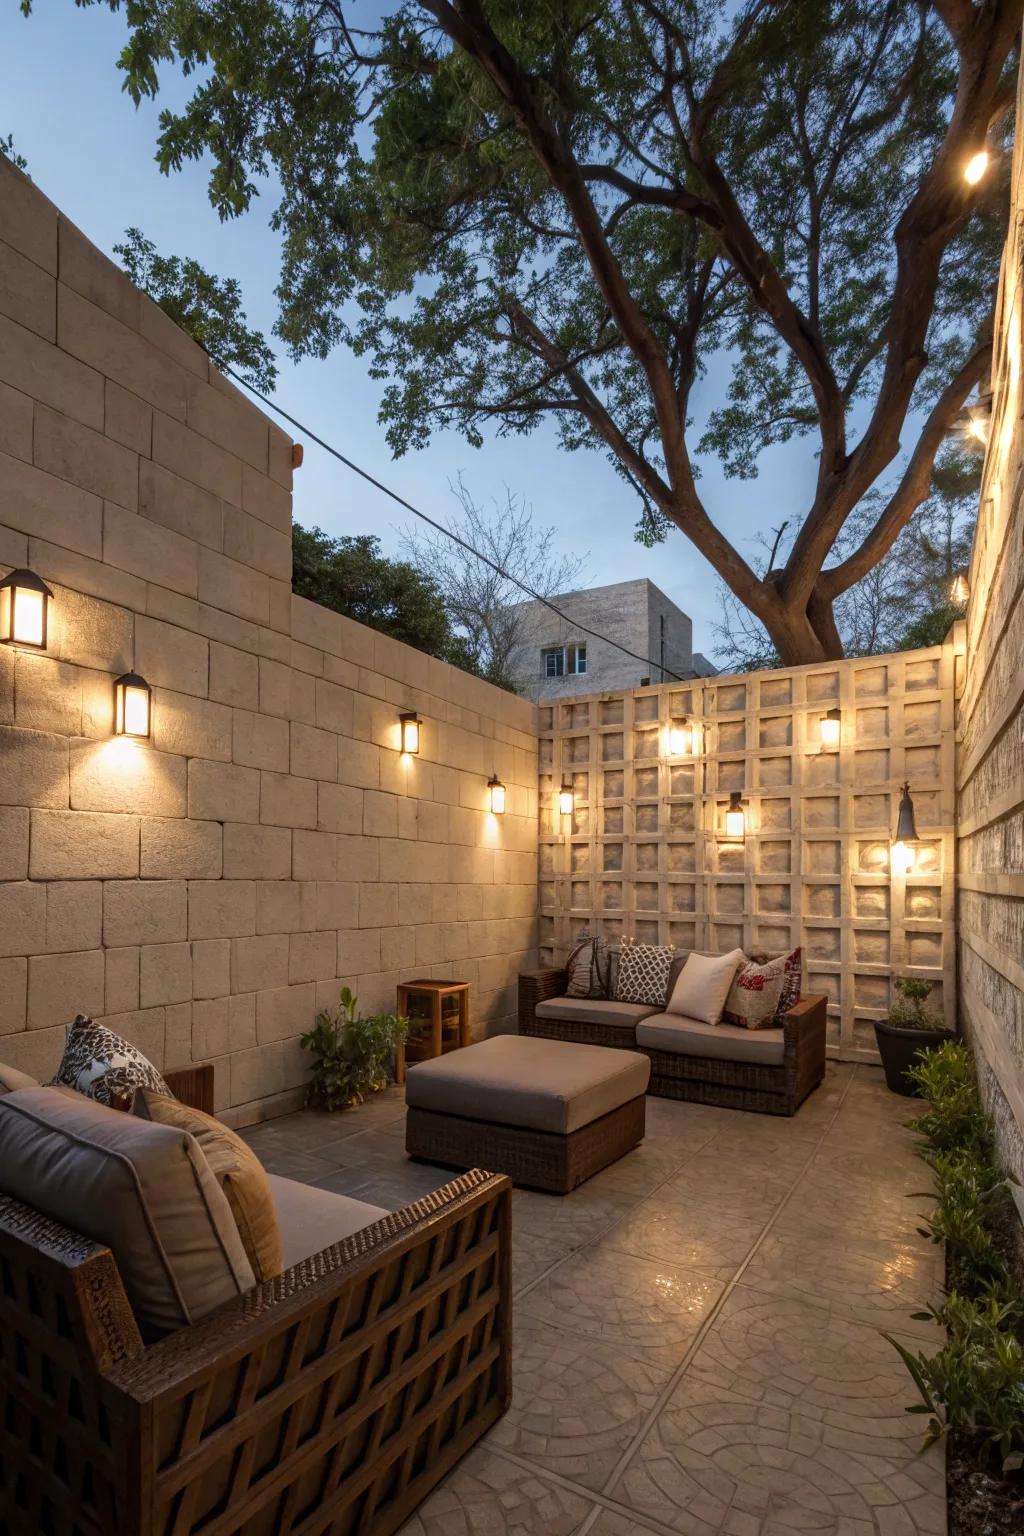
{"type": "Point", "coordinates": [915, 485]}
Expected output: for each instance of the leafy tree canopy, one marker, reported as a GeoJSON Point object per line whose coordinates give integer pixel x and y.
{"type": "Point", "coordinates": [209, 308]}
{"type": "Point", "coordinates": [350, 575]}
{"type": "Point", "coordinates": [522, 211]}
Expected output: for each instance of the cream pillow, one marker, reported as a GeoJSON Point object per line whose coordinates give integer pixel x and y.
{"type": "Point", "coordinates": [703, 986]}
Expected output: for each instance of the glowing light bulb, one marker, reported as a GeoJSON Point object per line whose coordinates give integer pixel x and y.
{"type": "Point", "coordinates": [24, 607]}
{"type": "Point", "coordinates": [497, 790]}
{"type": "Point", "coordinates": [410, 724]}
{"type": "Point", "coordinates": [959, 590]}
{"type": "Point", "coordinates": [901, 858]}
{"type": "Point", "coordinates": [976, 167]}
{"type": "Point", "coordinates": [132, 706]}
{"type": "Point", "coordinates": [680, 738]}
{"type": "Point", "coordinates": [735, 819]}
{"type": "Point", "coordinates": [565, 800]}
{"type": "Point", "coordinates": [831, 728]}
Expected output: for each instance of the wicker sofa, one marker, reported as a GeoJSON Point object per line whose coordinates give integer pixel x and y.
{"type": "Point", "coordinates": [332, 1398]}
{"type": "Point", "coordinates": [770, 1071]}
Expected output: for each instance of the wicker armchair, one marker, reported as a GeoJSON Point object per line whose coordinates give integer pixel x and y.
{"type": "Point", "coordinates": [772, 1090]}
{"type": "Point", "coordinates": [330, 1399]}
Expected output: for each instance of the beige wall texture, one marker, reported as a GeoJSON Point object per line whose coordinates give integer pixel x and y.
{"type": "Point", "coordinates": [990, 753]}
{"type": "Point", "coordinates": [644, 853]}
{"type": "Point", "coordinates": [206, 893]}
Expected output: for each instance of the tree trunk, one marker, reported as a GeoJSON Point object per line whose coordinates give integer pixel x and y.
{"type": "Point", "coordinates": [801, 637]}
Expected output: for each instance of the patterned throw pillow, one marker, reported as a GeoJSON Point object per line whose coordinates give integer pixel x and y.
{"type": "Point", "coordinates": [103, 1066]}
{"type": "Point", "coordinates": [643, 973]}
{"type": "Point", "coordinates": [792, 981]}
{"type": "Point", "coordinates": [753, 998]}
{"type": "Point", "coordinates": [588, 966]}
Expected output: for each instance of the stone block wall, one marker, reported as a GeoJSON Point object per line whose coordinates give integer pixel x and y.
{"type": "Point", "coordinates": [990, 719]}
{"type": "Point", "coordinates": [206, 893]}
{"type": "Point", "coordinates": [644, 853]}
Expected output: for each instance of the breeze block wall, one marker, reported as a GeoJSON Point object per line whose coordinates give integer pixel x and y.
{"type": "Point", "coordinates": [644, 853]}
{"type": "Point", "coordinates": [990, 755]}
{"type": "Point", "coordinates": [206, 893]}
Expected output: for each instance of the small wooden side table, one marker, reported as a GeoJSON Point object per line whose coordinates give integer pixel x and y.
{"type": "Point", "coordinates": [436, 991]}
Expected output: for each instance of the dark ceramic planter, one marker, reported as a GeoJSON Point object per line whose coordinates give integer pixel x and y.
{"type": "Point", "coordinates": [899, 1049]}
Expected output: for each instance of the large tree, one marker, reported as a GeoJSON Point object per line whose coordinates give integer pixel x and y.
{"type": "Point", "coordinates": [563, 209]}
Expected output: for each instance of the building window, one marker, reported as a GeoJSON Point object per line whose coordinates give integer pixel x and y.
{"type": "Point", "coordinates": [563, 660]}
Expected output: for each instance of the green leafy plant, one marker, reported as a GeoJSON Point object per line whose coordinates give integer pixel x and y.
{"type": "Point", "coordinates": [972, 1198]}
{"type": "Point", "coordinates": [350, 1053]}
{"type": "Point", "coordinates": [975, 1383]}
{"type": "Point", "coordinates": [908, 1010]}
{"type": "Point", "coordinates": [955, 1115]}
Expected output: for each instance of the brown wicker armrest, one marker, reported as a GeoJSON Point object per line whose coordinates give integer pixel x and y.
{"type": "Point", "coordinates": [193, 1086]}
{"type": "Point", "coordinates": [536, 987]}
{"type": "Point", "coordinates": [805, 1019]}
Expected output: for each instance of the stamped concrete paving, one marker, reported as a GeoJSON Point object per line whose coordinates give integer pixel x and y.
{"type": "Point", "coordinates": [697, 1329]}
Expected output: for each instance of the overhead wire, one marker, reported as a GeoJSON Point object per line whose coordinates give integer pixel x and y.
{"type": "Point", "coordinates": [308, 433]}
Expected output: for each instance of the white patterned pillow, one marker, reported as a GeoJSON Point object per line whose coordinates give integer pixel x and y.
{"type": "Point", "coordinates": [753, 998]}
{"type": "Point", "coordinates": [103, 1065]}
{"type": "Point", "coordinates": [643, 973]}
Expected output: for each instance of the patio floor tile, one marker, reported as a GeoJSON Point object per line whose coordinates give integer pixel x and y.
{"type": "Point", "coordinates": [697, 1345]}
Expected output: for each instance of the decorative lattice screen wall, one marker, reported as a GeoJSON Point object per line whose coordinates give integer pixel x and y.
{"type": "Point", "coordinates": [644, 852]}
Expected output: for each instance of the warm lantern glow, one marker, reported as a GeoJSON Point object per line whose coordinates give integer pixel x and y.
{"type": "Point", "coordinates": [901, 858]}
{"type": "Point", "coordinates": [565, 799]}
{"type": "Point", "coordinates": [902, 855]}
{"type": "Point", "coordinates": [977, 427]}
{"type": "Point", "coordinates": [959, 590]}
{"type": "Point", "coordinates": [831, 728]}
{"type": "Point", "coordinates": [24, 610]}
{"type": "Point", "coordinates": [976, 167]}
{"type": "Point", "coordinates": [681, 738]}
{"type": "Point", "coordinates": [735, 820]}
{"type": "Point", "coordinates": [132, 706]}
{"type": "Point", "coordinates": [497, 790]}
{"type": "Point", "coordinates": [410, 724]}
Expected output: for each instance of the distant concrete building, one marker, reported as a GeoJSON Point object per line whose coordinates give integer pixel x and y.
{"type": "Point", "coordinates": [558, 657]}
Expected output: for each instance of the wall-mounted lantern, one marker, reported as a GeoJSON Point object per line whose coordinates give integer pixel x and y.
{"type": "Point", "coordinates": [497, 790]}
{"type": "Point", "coordinates": [682, 738]}
{"type": "Point", "coordinates": [24, 610]}
{"type": "Point", "coordinates": [410, 724]}
{"type": "Point", "coordinates": [565, 799]}
{"type": "Point", "coordinates": [133, 706]}
{"type": "Point", "coordinates": [735, 817]}
{"type": "Point", "coordinates": [959, 590]}
{"type": "Point", "coordinates": [902, 855]}
{"type": "Point", "coordinates": [831, 726]}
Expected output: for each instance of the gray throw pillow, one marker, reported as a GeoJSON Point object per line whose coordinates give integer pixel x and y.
{"type": "Point", "coordinates": [588, 968]}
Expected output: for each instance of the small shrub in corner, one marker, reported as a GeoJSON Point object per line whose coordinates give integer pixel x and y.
{"type": "Point", "coordinates": [351, 1054]}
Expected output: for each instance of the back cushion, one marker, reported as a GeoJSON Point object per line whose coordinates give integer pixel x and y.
{"type": "Point", "coordinates": [237, 1170]}
{"type": "Point", "coordinates": [11, 1079]}
{"type": "Point", "coordinates": [143, 1190]}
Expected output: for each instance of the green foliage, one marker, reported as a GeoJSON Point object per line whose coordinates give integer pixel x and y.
{"type": "Point", "coordinates": [908, 1009]}
{"type": "Point", "coordinates": [350, 575]}
{"type": "Point", "coordinates": [954, 1117]}
{"type": "Point", "coordinates": [975, 1383]}
{"type": "Point", "coordinates": [351, 1055]}
{"type": "Point", "coordinates": [209, 308]}
{"type": "Point", "coordinates": [8, 150]}
{"type": "Point", "coordinates": [973, 1196]}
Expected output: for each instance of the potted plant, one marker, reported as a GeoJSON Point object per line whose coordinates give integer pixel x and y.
{"type": "Point", "coordinates": [909, 1029]}
{"type": "Point", "coordinates": [351, 1055]}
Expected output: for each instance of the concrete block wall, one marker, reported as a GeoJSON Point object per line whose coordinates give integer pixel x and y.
{"type": "Point", "coordinates": [644, 853]}
{"type": "Point", "coordinates": [990, 722]}
{"type": "Point", "coordinates": [206, 893]}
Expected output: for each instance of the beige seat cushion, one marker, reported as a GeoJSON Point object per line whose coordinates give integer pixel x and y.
{"type": "Point", "coordinates": [541, 1085]}
{"type": "Point", "coordinates": [145, 1191]}
{"type": "Point", "coordinates": [237, 1170]}
{"type": "Point", "coordinates": [588, 1010]}
{"type": "Point", "coordinates": [11, 1079]}
{"type": "Point", "coordinates": [703, 985]}
{"type": "Point", "coordinates": [723, 1042]}
{"type": "Point", "coordinates": [311, 1219]}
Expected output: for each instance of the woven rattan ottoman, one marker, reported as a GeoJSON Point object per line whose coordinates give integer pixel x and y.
{"type": "Point", "coordinates": [546, 1112]}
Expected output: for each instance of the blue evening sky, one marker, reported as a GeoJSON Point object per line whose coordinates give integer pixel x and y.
{"type": "Point", "coordinates": [91, 152]}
